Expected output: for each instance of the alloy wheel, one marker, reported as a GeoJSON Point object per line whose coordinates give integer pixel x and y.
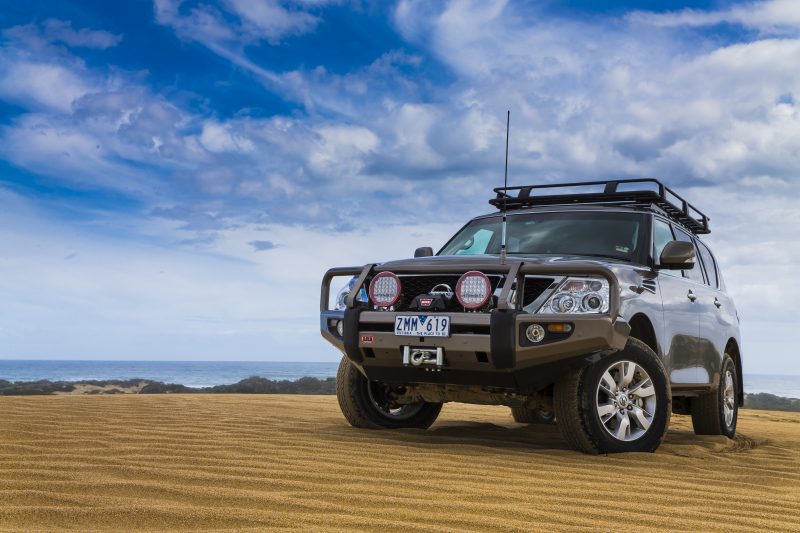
{"type": "Point", "coordinates": [626, 401]}
{"type": "Point", "coordinates": [729, 399]}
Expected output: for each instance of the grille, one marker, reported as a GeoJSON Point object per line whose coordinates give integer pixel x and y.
{"type": "Point", "coordinates": [413, 286]}
{"type": "Point", "coordinates": [533, 288]}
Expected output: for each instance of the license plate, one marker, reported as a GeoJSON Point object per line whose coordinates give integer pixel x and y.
{"type": "Point", "coordinates": [422, 326]}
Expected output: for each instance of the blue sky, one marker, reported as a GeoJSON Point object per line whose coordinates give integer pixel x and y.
{"type": "Point", "coordinates": [175, 176]}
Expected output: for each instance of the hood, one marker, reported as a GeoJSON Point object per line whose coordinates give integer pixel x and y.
{"type": "Point", "coordinates": [490, 262]}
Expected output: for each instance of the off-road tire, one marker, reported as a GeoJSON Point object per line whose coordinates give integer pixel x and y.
{"type": "Point", "coordinates": [576, 410]}
{"type": "Point", "coordinates": [523, 415]}
{"type": "Point", "coordinates": [708, 410]}
{"type": "Point", "coordinates": [360, 411]}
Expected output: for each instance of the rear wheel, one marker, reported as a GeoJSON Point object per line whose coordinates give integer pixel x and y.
{"type": "Point", "coordinates": [370, 404]}
{"type": "Point", "coordinates": [716, 413]}
{"type": "Point", "coordinates": [523, 415]}
{"type": "Point", "coordinates": [620, 404]}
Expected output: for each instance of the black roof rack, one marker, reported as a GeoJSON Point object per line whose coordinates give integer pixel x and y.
{"type": "Point", "coordinates": [673, 206]}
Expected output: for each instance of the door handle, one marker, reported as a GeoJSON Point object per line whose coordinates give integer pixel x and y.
{"type": "Point", "coordinates": [717, 303]}
{"type": "Point", "coordinates": [691, 295]}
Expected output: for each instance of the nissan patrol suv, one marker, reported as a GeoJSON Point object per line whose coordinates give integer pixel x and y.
{"type": "Point", "coordinates": [592, 305]}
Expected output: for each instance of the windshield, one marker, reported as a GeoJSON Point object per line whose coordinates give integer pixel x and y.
{"type": "Point", "coordinates": [590, 233]}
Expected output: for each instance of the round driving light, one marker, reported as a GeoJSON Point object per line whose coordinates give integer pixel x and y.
{"type": "Point", "coordinates": [592, 302]}
{"type": "Point", "coordinates": [473, 290]}
{"type": "Point", "coordinates": [535, 333]}
{"type": "Point", "coordinates": [340, 328]}
{"type": "Point", "coordinates": [384, 289]}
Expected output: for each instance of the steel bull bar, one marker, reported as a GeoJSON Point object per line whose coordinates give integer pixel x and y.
{"type": "Point", "coordinates": [502, 319]}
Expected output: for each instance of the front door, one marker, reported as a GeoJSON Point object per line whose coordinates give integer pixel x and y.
{"type": "Point", "coordinates": [681, 322]}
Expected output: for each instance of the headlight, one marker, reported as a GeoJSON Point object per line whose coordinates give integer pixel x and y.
{"type": "Point", "coordinates": [341, 298]}
{"type": "Point", "coordinates": [576, 296]}
{"type": "Point", "coordinates": [384, 289]}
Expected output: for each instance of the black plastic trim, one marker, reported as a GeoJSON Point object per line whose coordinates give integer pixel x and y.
{"type": "Point", "coordinates": [351, 334]}
{"type": "Point", "coordinates": [502, 338]}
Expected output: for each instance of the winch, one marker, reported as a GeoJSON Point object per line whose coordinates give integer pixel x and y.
{"type": "Point", "coordinates": [424, 357]}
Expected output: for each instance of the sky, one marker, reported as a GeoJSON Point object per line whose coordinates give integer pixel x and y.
{"type": "Point", "coordinates": [176, 176]}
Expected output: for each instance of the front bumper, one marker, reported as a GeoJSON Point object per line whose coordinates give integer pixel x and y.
{"type": "Point", "coordinates": [484, 349]}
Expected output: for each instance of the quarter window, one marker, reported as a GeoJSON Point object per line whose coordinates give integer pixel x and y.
{"type": "Point", "coordinates": [709, 264]}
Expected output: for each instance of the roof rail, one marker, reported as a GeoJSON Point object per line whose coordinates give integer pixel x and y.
{"type": "Point", "coordinates": [674, 206]}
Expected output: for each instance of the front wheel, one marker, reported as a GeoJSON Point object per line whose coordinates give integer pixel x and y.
{"type": "Point", "coordinates": [620, 404]}
{"type": "Point", "coordinates": [370, 404]}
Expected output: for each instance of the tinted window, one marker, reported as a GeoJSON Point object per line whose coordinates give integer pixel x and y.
{"type": "Point", "coordinates": [708, 264]}
{"type": "Point", "coordinates": [587, 233]}
{"type": "Point", "coordinates": [662, 234]}
{"type": "Point", "coordinates": [696, 273]}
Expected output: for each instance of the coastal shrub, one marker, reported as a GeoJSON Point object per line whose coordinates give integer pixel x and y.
{"type": "Point", "coordinates": [770, 402]}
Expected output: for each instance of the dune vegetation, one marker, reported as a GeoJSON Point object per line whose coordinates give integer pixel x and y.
{"type": "Point", "coordinates": [260, 385]}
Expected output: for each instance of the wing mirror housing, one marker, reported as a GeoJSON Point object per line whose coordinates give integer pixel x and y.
{"type": "Point", "coordinates": [424, 251]}
{"type": "Point", "coordinates": [677, 255]}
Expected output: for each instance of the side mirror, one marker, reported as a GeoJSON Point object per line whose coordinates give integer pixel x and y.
{"type": "Point", "coordinates": [425, 251]}
{"type": "Point", "coordinates": [677, 255]}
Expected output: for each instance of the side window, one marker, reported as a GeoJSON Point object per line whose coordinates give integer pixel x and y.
{"type": "Point", "coordinates": [695, 274]}
{"type": "Point", "coordinates": [709, 264]}
{"type": "Point", "coordinates": [662, 234]}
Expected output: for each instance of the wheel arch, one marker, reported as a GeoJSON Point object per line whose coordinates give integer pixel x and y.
{"type": "Point", "coordinates": [642, 329]}
{"type": "Point", "coordinates": [732, 349]}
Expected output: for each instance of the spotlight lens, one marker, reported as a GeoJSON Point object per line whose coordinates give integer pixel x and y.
{"type": "Point", "coordinates": [384, 289]}
{"type": "Point", "coordinates": [473, 290]}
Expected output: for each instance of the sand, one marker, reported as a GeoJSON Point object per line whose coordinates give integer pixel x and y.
{"type": "Point", "coordinates": [242, 462]}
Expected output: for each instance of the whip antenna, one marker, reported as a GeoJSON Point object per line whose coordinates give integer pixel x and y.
{"type": "Point", "coordinates": [505, 197]}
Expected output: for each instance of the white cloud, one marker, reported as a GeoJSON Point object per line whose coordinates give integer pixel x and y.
{"type": "Point", "coordinates": [267, 18]}
{"type": "Point", "coordinates": [340, 150]}
{"type": "Point", "coordinates": [257, 20]}
{"type": "Point", "coordinates": [62, 31]}
{"type": "Point", "coordinates": [33, 84]}
{"type": "Point", "coordinates": [219, 138]}
{"type": "Point", "coordinates": [51, 31]}
{"type": "Point", "coordinates": [769, 16]}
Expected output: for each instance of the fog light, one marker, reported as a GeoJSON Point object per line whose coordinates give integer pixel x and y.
{"type": "Point", "coordinates": [559, 328]}
{"type": "Point", "coordinates": [340, 327]}
{"type": "Point", "coordinates": [535, 333]}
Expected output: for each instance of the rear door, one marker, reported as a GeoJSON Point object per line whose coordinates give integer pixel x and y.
{"type": "Point", "coordinates": [681, 323]}
{"type": "Point", "coordinates": [718, 319]}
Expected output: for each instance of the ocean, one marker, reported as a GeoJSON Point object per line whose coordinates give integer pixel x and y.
{"type": "Point", "coordinates": [210, 373]}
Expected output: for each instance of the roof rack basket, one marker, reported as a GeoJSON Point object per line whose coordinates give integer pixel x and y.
{"type": "Point", "coordinates": [673, 205]}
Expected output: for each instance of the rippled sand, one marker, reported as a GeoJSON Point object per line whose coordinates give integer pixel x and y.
{"type": "Point", "coordinates": [239, 462]}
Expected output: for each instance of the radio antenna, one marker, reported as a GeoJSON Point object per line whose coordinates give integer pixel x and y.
{"type": "Point", "coordinates": [505, 197]}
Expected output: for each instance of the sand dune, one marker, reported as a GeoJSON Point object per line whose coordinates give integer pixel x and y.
{"type": "Point", "coordinates": [238, 462]}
